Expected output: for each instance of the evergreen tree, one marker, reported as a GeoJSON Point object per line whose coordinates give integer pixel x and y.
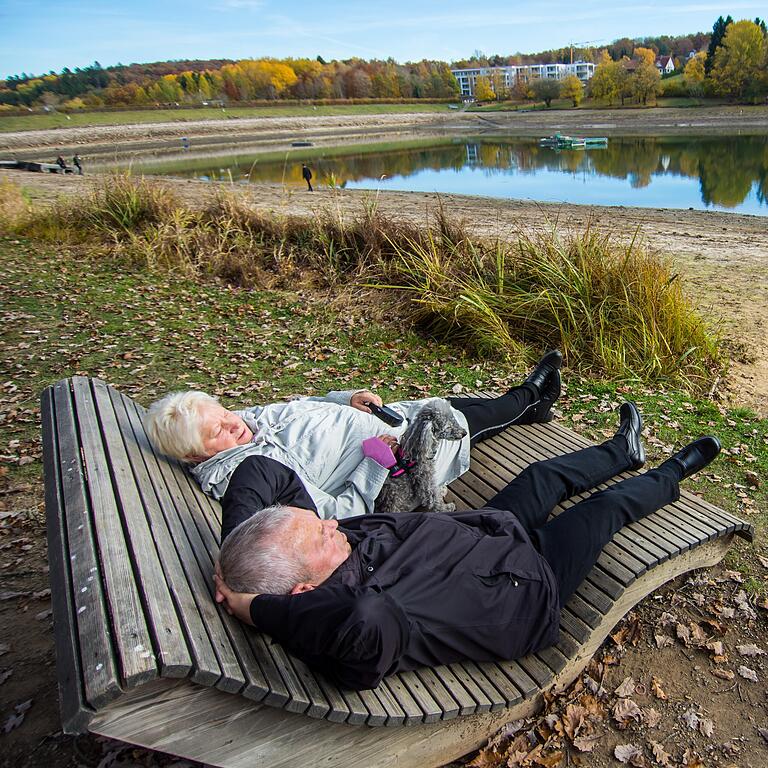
{"type": "Point", "coordinates": [718, 33]}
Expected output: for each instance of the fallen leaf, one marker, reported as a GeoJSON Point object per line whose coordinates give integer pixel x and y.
{"type": "Point", "coordinates": [691, 759]}
{"type": "Point", "coordinates": [658, 691]}
{"type": "Point", "coordinates": [690, 718]}
{"type": "Point", "coordinates": [13, 721]}
{"type": "Point", "coordinates": [747, 673]}
{"type": "Point", "coordinates": [660, 755]}
{"type": "Point", "coordinates": [683, 634]}
{"type": "Point", "coordinates": [625, 752]}
{"type": "Point", "coordinates": [706, 727]}
{"type": "Point", "coordinates": [763, 732]}
{"type": "Point", "coordinates": [624, 711]}
{"type": "Point", "coordinates": [651, 717]}
{"type": "Point", "coordinates": [723, 674]}
{"type": "Point", "coordinates": [627, 688]}
{"type": "Point", "coordinates": [552, 760]}
{"type": "Point", "coordinates": [663, 641]}
{"type": "Point", "coordinates": [750, 650]}
{"type": "Point", "coordinates": [586, 743]}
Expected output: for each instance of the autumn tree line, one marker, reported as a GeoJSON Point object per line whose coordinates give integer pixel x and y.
{"type": "Point", "coordinates": [731, 62]}
{"type": "Point", "coordinates": [232, 82]}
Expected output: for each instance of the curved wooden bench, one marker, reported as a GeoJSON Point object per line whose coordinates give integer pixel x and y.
{"type": "Point", "coordinates": [144, 654]}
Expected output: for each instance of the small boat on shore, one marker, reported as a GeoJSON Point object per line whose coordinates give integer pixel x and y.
{"type": "Point", "coordinates": [560, 141]}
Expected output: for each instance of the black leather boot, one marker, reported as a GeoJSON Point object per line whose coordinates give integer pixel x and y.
{"type": "Point", "coordinates": [630, 429]}
{"type": "Point", "coordinates": [695, 456]}
{"type": "Point", "coordinates": [552, 361]}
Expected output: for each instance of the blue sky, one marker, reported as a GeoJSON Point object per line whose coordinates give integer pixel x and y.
{"type": "Point", "coordinates": [37, 36]}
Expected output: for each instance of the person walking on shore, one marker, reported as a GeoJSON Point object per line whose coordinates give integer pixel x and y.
{"type": "Point", "coordinates": [77, 161]}
{"type": "Point", "coordinates": [307, 174]}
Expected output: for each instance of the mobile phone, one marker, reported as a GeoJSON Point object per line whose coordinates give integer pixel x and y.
{"type": "Point", "coordinates": [387, 415]}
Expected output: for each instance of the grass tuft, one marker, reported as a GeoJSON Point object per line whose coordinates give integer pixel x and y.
{"type": "Point", "coordinates": [614, 309]}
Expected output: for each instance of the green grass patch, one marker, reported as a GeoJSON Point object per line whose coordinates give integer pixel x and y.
{"type": "Point", "coordinates": [128, 117]}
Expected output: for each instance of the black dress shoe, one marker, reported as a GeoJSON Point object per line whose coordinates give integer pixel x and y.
{"type": "Point", "coordinates": [695, 456]}
{"type": "Point", "coordinates": [552, 361]}
{"type": "Point", "coordinates": [630, 429]}
{"type": "Point", "coordinates": [539, 412]}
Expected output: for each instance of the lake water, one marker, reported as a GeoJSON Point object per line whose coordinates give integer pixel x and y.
{"type": "Point", "coordinates": [716, 173]}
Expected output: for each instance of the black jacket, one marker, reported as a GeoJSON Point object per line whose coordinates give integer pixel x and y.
{"type": "Point", "coordinates": [257, 483]}
{"type": "Point", "coordinates": [420, 590]}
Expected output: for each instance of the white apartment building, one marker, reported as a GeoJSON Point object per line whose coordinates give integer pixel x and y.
{"type": "Point", "coordinates": [467, 78]}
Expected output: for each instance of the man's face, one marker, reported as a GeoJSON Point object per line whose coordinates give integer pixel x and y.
{"type": "Point", "coordinates": [320, 543]}
{"type": "Point", "coordinates": [221, 429]}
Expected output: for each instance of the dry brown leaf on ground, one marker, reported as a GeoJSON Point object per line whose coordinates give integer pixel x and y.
{"type": "Point", "coordinates": [683, 634]}
{"type": "Point", "coordinates": [658, 691]}
{"type": "Point", "coordinates": [750, 650]}
{"type": "Point", "coordinates": [625, 711]}
{"type": "Point", "coordinates": [627, 688]}
{"type": "Point", "coordinates": [586, 743]}
{"type": "Point", "coordinates": [550, 760]}
{"type": "Point", "coordinates": [706, 727]}
{"type": "Point", "coordinates": [723, 674]}
{"type": "Point", "coordinates": [691, 759]}
{"type": "Point", "coordinates": [747, 673]}
{"type": "Point", "coordinates": [691, 718]}
{"type": "Point", "coordinates": [663, 641]}
{"type": "Point", "coordinates": [651, 717]}
{"type": "Point", "coordinates": [629, 753]}
{"type": "Point", "coordinates": [660, 755]}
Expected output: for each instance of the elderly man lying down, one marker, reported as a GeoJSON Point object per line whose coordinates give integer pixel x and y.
{"type": "Point", "coordinates": [329, 454]}
{"type": "Point", "coordinates": [372, 595]}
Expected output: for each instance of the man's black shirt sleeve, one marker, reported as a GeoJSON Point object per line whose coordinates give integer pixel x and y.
{"type": "Point", "coordinates": [356, 636]}
{"type": "Point", "coordinates": [260, 482]}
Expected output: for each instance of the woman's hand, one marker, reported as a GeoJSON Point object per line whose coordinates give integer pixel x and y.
{"type": "Point", "coordinates": [359, 400]}
{"type": "Point", "coordinates": [236, 604]}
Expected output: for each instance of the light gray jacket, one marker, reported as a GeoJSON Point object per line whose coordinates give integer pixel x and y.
{"type": "Point", "coordinates": [320, 439]}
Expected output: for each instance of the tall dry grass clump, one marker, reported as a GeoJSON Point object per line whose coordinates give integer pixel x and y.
{"type": "Point", "coordinates": [614, 309]}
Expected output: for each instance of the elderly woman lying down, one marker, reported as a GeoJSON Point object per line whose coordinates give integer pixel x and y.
{"type": "Point", "coordinates": [329, 454]}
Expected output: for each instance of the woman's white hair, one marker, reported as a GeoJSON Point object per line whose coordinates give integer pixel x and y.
{"type": "Point", "coordinates": [173, 424]}
{"type": "Point", "coordinates": [256, 558]}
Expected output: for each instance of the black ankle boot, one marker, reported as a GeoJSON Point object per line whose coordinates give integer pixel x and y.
{"type": "Point", "coordinates": [539, 412]}
{"type": "Point", "coordinates": [695, 456]}
{"type": "Point", "coordinates": [630, 429]}
{"type": "Point", "coordinates": [552, 361]}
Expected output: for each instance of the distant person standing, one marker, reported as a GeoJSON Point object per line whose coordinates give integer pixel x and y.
{"type": "Point", "coordinates": [77, 161]}
{"type": "Point", "coordinates": [61, 162]}
{"type": "Point", "coordinates": [307, 174]}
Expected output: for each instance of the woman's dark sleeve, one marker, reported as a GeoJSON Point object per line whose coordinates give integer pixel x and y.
{"type": "Point", "coordinates": [257, 483]}
{"type": "Point", "coordinates": [354, 636]}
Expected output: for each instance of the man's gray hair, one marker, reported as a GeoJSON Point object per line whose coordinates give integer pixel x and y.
{"type": "Point", "coordinates": [174, 425]}
{"type": "Point", "coordinates": [254, 558]}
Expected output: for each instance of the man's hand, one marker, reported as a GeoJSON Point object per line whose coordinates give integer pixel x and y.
{"type": "Point", "coordinates": [359, 400]}
{"type": "Point", "coordinates": [236, 604]}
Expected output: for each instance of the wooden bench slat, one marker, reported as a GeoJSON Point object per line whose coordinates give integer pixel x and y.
{"type": "Point", "coordinates": [73, 707]}
{"type": "Point", "coordinates": [480, 700]}
{"type": "Point", "coordinates": [149, 573]}
{"type": "Point", "coordinates": [413, 712]}
{"type": "Point", "coordinates": [509, 691]}
{"type": "Point", "coordinates": [215, 621]}
{"type": "Point", "coordinates": [132, 637]}
{"type": "Point", "coordinates": [377, 712]}
{"type": "Point", "coordinates": [206, 668]}
{"type": "Point", "coordinates": [445, 696]}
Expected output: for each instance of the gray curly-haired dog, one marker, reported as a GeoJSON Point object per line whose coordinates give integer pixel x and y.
{"type": "Point", "coordinates": [418, 487]}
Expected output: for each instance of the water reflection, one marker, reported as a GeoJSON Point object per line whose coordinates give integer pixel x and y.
{"type": "Point", "coordinates": [729, 173]}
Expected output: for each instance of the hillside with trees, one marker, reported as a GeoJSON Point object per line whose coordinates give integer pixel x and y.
{"type": "Point", "coordinates": [730, 62]}
{"type": "Point", "coordinates": [248, 80]}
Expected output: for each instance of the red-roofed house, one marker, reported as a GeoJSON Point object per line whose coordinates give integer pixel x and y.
{"type": "Point", "coordinates": [665, 64]}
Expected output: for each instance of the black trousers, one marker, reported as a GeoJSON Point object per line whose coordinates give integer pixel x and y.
{"type": "Point", "coordinates": [487, 417]}
{"type": "Point", "coordinates": [572, 541]}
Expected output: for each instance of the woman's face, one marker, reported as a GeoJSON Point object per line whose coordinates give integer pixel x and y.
{"type": "Point", "coordinates": [221, 429]}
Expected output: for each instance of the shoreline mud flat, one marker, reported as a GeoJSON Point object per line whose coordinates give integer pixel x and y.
{"type": "Point", "coordinates": [722, 257]}
{"type": "Point", "coordinates": [111, 143]}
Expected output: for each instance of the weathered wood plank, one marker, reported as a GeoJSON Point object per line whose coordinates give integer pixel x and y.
{"type": "Point", "coordinates": [149, 575]}
{"type": "Point", "coordinates": [75, 713]}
